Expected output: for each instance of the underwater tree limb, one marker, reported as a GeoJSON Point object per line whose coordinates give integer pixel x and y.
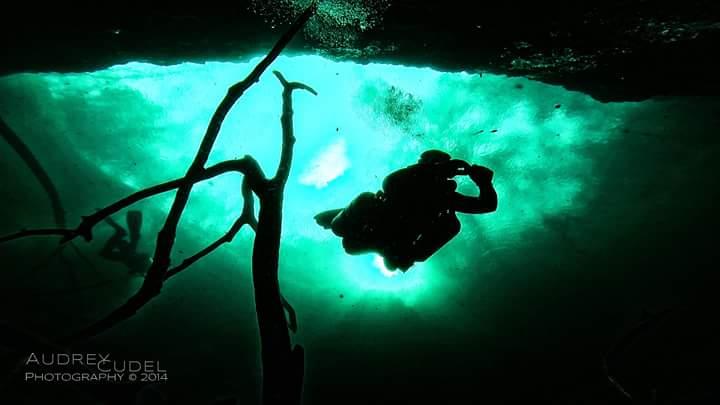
{"type": "Point", "coordinates": [283, 364]}
{"type": "Point", "coordinates": [244, 165]}
{"type": "Point", "coordinates": [247, 165]}
{"type": "Point", "coordinates": [288, 139]}
{"type": "Point", "coordinates": [155, 276]}
{"type": "Point", "coordinates": [24, 152]}
{"type": "Point", "coordinates": [37, 169]}
{"type": "Point", "coordinates": [247, 217]}
{"type": "Point", "coordinates": [166, 236]}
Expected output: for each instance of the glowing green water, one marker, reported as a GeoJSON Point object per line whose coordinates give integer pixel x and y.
{"type": "Point", "coordinates": [140, 124]}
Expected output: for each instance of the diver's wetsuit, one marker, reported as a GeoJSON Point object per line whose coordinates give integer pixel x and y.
{"type": "Point", "coordinates": [414, 215]}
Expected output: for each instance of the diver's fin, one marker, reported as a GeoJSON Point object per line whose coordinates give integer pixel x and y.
{"type": "Point", "coordinates": [325, 218]}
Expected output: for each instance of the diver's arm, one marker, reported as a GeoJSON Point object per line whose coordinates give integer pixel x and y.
{"type": "Point", "coordinates": [487, 200]}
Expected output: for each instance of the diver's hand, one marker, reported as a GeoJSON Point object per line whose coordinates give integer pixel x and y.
{"type": "Point", "coordinates": [481, 174]}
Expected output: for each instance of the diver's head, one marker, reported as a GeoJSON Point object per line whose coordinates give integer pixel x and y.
{"type": "Point", "coordinates": [433, 157]}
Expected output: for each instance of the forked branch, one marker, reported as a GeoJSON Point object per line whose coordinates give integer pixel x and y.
{"type": "Point", "coordinates": [282, 364]}
{"type": "Point", "coordinates": [157, 273]}
{"type": "Point", "coordinates": [246, 165]}
{"type": "Point", "coordinates": [247, 217]}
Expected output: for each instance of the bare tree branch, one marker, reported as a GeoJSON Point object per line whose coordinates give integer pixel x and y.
{"type": "Point", "coordinates": [166, 237]}
{"type": "Point", "coordinates": [155, 276]}
{"type": "Point", "coordinates": [247, 217]}
{"type": "Point", "coordinates": [28, 157]}
{"type": "Point", "coordinates": [288, 139]}
{"type": "Point", "coordinates": [245, 165]}
{"type": "Point", "coordinates": [283, 364]}
{"type": "Point", "coordinates": [37, 169]}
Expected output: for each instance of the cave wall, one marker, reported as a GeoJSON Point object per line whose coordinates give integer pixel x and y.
{"type": "Point", "coordinates": [613, 50]}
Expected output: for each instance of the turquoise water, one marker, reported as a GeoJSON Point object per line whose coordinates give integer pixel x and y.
{"type": "Point", "coordinates": [578, 182]}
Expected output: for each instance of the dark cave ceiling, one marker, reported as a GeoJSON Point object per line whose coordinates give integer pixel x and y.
{"type": "Point", "coordinates": [612, 50]}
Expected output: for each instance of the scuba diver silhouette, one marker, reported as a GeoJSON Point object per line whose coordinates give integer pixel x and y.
{"type": "Point", "coordinates": [118, 249]}
{"type": "Point", "coordinates": [413, 216]}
